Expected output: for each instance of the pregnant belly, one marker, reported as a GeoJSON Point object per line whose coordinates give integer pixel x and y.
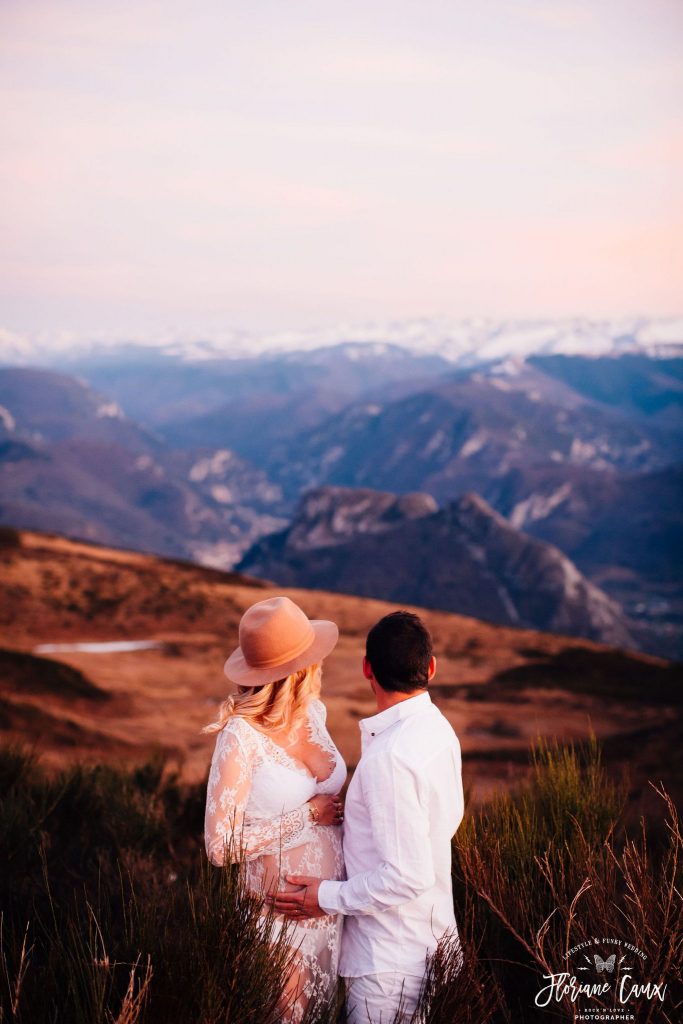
{"type": "Point", "coordinates": [321, 857]}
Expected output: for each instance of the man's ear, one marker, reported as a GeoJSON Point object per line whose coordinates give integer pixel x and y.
{"type": "Point", "coordinates": [367, 669]}
{"type": "Point", "coordinates": [431, 671]}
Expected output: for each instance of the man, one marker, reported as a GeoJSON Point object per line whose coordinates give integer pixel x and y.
{"type": "Point", "coordinates": [403, 805]}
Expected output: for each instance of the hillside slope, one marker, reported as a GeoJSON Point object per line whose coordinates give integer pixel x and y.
{"type": "Point", "coordinates": [500, 687]}
{"type": "Point", "coordinates": [71, 461]}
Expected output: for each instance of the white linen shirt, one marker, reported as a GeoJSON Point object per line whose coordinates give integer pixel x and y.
{"type": "Point", "coordinates": [404, 803]}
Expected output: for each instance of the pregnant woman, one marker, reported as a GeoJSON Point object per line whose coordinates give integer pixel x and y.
{"type": "Point", "coordinates": [275, 774]}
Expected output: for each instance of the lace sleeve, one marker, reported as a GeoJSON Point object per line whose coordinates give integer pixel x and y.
{"type": "Point", "coordinates": [226, 826]}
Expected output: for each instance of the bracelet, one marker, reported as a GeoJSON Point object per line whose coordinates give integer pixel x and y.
{"type": "Point", "coordinates": [313, 813]}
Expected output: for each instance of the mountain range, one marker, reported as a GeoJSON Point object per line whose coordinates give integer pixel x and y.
{"type": "Point", "coordinates": [463, 557]}
{"type": "Point", "coordinates": [203, 458]}
{"type": "Point", "coordinates": [466, 342]}
{"type": "Point", "coordinates": [72, 462]}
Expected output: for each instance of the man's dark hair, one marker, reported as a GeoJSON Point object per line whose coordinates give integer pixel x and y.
{"type": "Point", "coordinates": [399, 649]}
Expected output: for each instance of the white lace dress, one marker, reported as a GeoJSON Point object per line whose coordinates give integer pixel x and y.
{"type": "Point", "coordinates": [255, 806]}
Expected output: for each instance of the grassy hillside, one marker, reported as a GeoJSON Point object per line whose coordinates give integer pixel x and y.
{"type": "Point", "coordinates": [110, 912]}
{"type": "Point", "coordinates": [499, 687]}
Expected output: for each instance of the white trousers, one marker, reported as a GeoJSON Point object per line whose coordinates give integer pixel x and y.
{"type": "Point", "coordinates": [376, 998]}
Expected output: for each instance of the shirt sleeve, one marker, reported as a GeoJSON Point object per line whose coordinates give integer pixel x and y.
{"type": "Point", "coordinates": [227, 828]}
{"type": "Point", "coordinates": [400, 828]}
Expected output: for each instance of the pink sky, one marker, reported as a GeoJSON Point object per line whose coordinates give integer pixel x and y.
{"type": "Point", "coordinates": [217, 164]}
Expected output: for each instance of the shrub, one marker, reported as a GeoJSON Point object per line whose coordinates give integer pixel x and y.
{"type": "Point", "coordinates": [111, 914]}
{"type": "Point", "coordinates": [102, 921]}
{"type": "Point", "coordinates": [549, 867]}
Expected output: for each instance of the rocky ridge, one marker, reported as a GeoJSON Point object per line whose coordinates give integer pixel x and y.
{"type": "Point", "coordinates": [464, 558]}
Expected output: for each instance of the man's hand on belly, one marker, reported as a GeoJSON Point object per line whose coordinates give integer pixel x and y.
{"type": "Point", "coordinates": [301, 903]}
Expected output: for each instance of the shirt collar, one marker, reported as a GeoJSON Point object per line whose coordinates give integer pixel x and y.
{"type": "Point", "coordinates": [404, 709]}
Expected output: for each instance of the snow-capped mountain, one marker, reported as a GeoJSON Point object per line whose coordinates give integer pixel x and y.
{"type": "Point", "coordinates": [464, 343]}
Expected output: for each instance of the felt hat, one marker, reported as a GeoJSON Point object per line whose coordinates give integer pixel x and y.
{"type": "Point", "coordinates": [276, 639]}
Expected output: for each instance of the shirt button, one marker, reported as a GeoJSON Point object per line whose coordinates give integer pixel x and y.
{"type": "Point", "coordinates": [372, 734]}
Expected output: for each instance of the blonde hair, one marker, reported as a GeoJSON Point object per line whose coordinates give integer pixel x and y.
{"type": "Point", "coordinates": [275, 706]}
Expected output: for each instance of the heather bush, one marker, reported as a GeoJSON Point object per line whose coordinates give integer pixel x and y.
{"type": "Point", "coordinates": [111, 914]}
{"type": "Point", "coordinates": [106, 919]}
{"type": "Point", "coordinates": [550, 867]}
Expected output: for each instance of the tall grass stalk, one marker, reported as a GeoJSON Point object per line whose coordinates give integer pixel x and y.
{"type": "Point", "coordinates": [205, 951]}
{"type": "Point", "coordinates": [549, 868]}
{"type": "Point", "coordinates": [110, 913]}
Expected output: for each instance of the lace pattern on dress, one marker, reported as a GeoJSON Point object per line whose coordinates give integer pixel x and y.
{"type": "Point", "coordinates": [236, 757]}
{"type": "Point", "coordinates": [283, 844]}
{"type": "Point", "coordinates": [319, 736]}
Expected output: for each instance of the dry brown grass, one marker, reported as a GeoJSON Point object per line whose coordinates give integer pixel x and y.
{"type": "Point", "coordinates": [55, 590]}
{"type": "Point", "coordinates": [551, 868]}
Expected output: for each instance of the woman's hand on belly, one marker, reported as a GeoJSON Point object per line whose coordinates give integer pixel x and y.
{"type": "Point", "coordinates": [327, 810]}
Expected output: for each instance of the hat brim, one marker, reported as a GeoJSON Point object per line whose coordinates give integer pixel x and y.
{"type": "Point", "coordinates": [325, 640]}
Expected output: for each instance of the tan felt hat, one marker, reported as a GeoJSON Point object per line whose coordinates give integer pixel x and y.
{"type": "Point", "coordinates": [276, 639]}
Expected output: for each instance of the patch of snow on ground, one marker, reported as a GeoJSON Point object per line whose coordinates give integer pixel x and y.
{"type": "Point", "coordinates": [212, 465]}
{"type": "Point", "coordinates": [221, 494]}
{"type": "Point", "coordinates": [436, 442]}
{"type": "Point", "coordinates": [473, 444]}
{"type": "Point", "coordinates": [582, 451]}
{"type": "Point", "coordinates": [110, 411]}
{"type": "Point", "coordinates": [7, 419]}
{"type": "Point", "coordinates": [538, 506]}
{"type": "Point", "coordinates": [103, 647]}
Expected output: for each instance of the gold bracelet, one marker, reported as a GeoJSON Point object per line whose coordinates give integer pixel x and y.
{"type": "Point", "coordinates": [313, 813]}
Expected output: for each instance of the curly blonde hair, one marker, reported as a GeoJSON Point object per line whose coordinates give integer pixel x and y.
{"type": "Point", "coordinates": [273, 707]}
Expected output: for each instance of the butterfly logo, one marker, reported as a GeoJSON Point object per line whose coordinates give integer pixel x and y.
{"type": "Point", "coordinates": [604, 965]}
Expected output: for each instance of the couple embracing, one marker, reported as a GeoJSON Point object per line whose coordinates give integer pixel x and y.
{"type": "Point", "coordinates": [367, 886]}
